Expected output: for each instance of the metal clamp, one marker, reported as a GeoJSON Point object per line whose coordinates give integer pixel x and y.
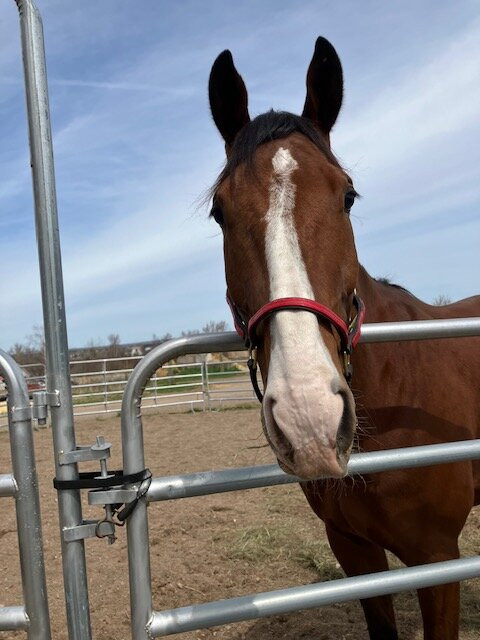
{"type": "Point", "coordinates": [89, 529]}
{"type": "Point", "coordinates": [20, 414]}
{"type": "Point", "coordinates": [40, 406]}
{"type": "Point", "coordinates": [111, 489]}
{"type": "Point", "coordinates": [98, 451]}
{"type": "Point", "coordinates": [41, 400]}
{"type": "Point", "coordinates": [103, 448]}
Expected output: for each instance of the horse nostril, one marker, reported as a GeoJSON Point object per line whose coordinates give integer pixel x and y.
{"type": "Point", "coordinates": [275, 435]}
{"type": "Point", "coordinates": [289, 453]}
{"type": "Point", "coordinates": [336, 385]}
{"type": "Point", "coordinates": [346, 428]}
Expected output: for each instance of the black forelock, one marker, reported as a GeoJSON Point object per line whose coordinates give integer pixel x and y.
{"type": "Point", "coordinates": [266, 127]}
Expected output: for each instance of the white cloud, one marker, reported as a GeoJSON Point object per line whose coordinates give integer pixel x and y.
{"type": "Point", "coordinates": [135, 146]}
{"type": "Point", "coordinates": [416, 107]}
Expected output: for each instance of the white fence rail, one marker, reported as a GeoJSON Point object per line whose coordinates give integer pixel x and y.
{"type": "Point", "coordinates": [98, 384]}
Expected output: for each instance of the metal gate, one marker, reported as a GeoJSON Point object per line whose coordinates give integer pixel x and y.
{"type": "Point", "coordinates": [147, 623]}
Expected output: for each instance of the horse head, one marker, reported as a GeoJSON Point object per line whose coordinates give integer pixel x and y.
{"type": "Point", "coordinates": [283, 203]}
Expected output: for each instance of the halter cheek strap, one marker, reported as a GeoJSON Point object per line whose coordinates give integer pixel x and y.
{"type": "Point", "coordinates": [349, 333]}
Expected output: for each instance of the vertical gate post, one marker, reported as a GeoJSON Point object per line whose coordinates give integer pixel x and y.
{"type": "Point", "coordinates": [138, 543]}
{"type": "Point", "coordinates": [57, 361]}
{"type": "Point", "coordinates": [29, 529]}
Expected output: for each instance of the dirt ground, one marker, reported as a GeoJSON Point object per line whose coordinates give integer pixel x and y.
{"type": "Point", "coordinates": [211, 547]}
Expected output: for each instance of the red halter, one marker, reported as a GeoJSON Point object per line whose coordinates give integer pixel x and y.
{"type": "Point", "coordinates": [349, 334]}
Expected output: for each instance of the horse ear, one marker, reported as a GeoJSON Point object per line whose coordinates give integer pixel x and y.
{"type": "Point", "coordinates": [228, 98]}
{"type": "Point", "coordinates": [324, 87]}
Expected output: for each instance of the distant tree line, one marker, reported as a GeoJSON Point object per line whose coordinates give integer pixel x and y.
{"type": "Point", "coordinates": [32, 350]}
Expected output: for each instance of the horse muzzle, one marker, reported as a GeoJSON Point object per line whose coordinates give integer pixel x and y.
{"type": "Point", "coordinates": [310, 431]}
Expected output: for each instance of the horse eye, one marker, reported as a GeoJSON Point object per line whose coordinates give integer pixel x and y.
{"type": "Point", "coordinates": [217, 214]}
{"type": "Point", "coordinates": [349, 200]}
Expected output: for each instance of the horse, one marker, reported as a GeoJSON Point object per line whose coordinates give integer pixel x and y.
{"type": "Point", "coordinates": [283, 202]}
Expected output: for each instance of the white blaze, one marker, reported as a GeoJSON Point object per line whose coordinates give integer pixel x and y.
{"type": "Point", "coordinates": [299, 362]}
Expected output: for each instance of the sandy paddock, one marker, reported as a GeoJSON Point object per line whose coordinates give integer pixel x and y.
{"type": "Point", "coordinates": [208, 548]}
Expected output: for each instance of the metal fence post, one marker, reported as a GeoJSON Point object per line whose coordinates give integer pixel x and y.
{"type": "Point", "coordinates": [105, 386]}
{"type": "Point", "coordinates": [155, 382]}
{"type": "Point", "coordinates": [58, 371]}
{"type": "Point", "coordinates": [205, 389]}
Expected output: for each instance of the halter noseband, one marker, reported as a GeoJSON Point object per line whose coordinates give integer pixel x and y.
{"type": "Point", "coordinates": [349, 333]}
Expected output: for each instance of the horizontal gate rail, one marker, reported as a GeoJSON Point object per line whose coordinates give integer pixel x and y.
{"type": "Point", "coordinates": [208, 482]}
{"type": "Point", "coordinates": [22, 485]}
{"type": "Point", "coordinates": [13, 619]}
{"type": "Point", "coordinates": [230, 341]}
{"type": "Point", "coordinates": [309, 596]}
{"type": "Point", "coordinates": [420, 330]}
{"type": "Point", "coordinates": [8, 486]}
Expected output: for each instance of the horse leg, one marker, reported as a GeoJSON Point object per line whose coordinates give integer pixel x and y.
{"type": "Point", "coordinates": [357, 556]}
{"type": "Point", "coordinates": [440, 606]}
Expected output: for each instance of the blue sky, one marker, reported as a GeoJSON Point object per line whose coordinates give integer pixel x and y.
{"type": "Point", "coordinates": [135, 148]}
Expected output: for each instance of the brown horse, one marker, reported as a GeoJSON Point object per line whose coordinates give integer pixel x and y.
{"type": "Point", "coordinates": [283, 204]}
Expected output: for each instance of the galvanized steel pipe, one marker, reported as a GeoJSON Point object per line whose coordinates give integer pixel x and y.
{"type": "Point", "coordinates": [27, 503]}
{"type": "Point", "coordinates": [54, 318]}
{"type": "Point", "coordinates": [236, 479]}
{"type": "Point", "coordinates": [133, 460]}
{"type": "Point", "coordinates": [13, 619]}
{"type": "Point", "coordinates": [420, 330]}
{"type": "Point", "coordinates": [309, 596]}
{"type": "Point", "coordinates": [8, 486]}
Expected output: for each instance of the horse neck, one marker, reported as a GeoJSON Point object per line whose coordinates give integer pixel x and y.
{"type": "Point", "coordinates": [388, 303]}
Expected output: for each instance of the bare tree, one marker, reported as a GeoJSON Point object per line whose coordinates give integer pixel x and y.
{"type": "Point", "coordinates": [210, 327]}
{"type": "Point", "coordinates": [92, 349]}
{"type": "Point", "coordinates": [160, 339]}
{"type": "Point", "coordinates": [441, 300]}
{"type": "Point", "coordinates": [113, 345]}
{"type": "Point", "coordinates": [215, 327]}
{"type": "Point", "coordinates": [32, 351]}
{"type": "Point", "coordinates": [36, 339]}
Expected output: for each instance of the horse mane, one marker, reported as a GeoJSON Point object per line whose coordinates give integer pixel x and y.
{"type": "Point", "coordinates": [388, 282]}
{"type": "Point", "coordinates": [266, 127]}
